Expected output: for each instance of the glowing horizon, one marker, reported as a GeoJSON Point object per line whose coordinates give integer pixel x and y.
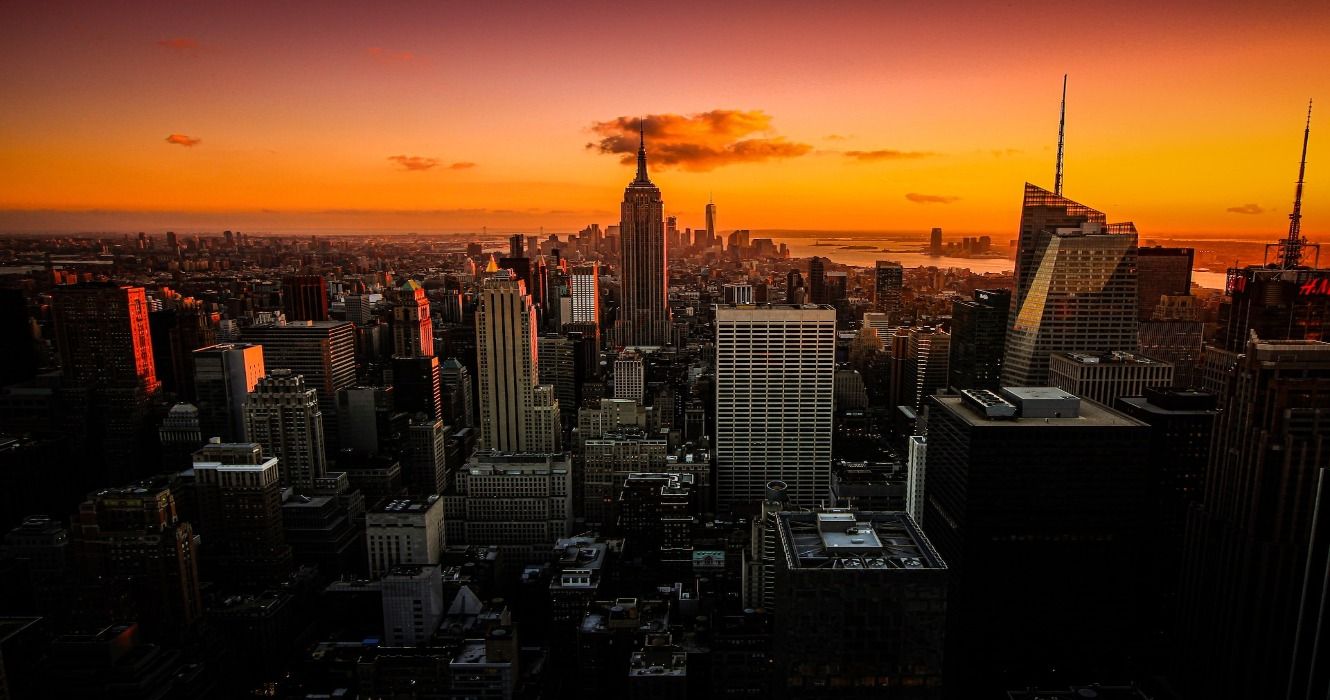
{"type": "Point", "coordinates": [451, 118]}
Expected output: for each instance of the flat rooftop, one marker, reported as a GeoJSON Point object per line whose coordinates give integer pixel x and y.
{"type": "Point", "coordinates": [407, 505]}
{"type": "Point", "coordinates": [855, 540]}
{"type": "Point", "coordinates": [1091, 414]}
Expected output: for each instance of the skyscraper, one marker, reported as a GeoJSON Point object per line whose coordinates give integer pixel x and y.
{"type": "Point", "coordinates": [305, 298]}
{"type": "Point", "coordinates": [132, 540]}
{"type": "Point", "coordinates": [862, 601]}
{"type": "Point", "coordinates": [1247, 547]}
{"type": "Point", "coordinates": [711, 226]}
{"type": "Point", "coordinates": [240, 516]}
{"type": "Point", "coordinates": [105, 348]}
{"type": "Point", "coordinates": [644, 318]}
{"type": "Point", "coordinates": [929, 351]}
{"type": "Point", "coordinates": [1081, 298]}
{"type": "Point", "coordinates": [629, 377]}
{"type": "Point", "coordinates": [794, 288]}
{"type": "Point", "coordinates": [1023, 489]}
{"type": "Point", "coordinates": [457, 382]}
{"type": "Point", "coordinates": [1161, 272]}
{"type": "Point", "coordinates": [775, 368]}
{"type": "Point", "coordinates": [1042, 213]}
{"type": "Point", "coordinates": [585, 294]}
{"type": "Point", "coordinates": [887, 282]}
{"type": "Point", "coordinates": [413, 331]}
{"type": "Point", "coordinates": [283, 415]}
{"type": "Point", "coordinates": [978, 338]}
{"type": "Point", "coordinates": [817, 280]}
{"type": "Point", "coordinates": [323, 352]}
{"type": "Point", "coordinates": [509, 371]}
{"type": "Point", "coordinates": [935, 242]}
{"type": "Point", "coordinates": [223, 377]}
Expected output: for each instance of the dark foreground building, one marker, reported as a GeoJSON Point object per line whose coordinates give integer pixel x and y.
{"type": "Point", "coordinates": [862, 601]}
{"type": "Point", "coordinates": [1035, 499]}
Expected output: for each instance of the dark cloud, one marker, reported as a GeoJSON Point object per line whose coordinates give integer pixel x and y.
{"type": "Point", "coordinates": [183, 140]}
{"type": "Point", "coordinates": [697, 142]}
{"type": "Point", "coordinates": [462, 165]}
{"type": "Point", "coordinates": [414, 162]}
{"type": "Point", "coordinates": [179, 44]}
{"type": "Point", "coordinates": [930, 198]}
{"type": "Point", "coordinates": [887, 154]}
{"type": "Point", "coordinates": [1246, 209]}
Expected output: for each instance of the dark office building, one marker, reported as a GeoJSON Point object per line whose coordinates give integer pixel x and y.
{"type": "Point", "coordinates": [795, 293]}
{"type": "Point", "coordinates": [1161, 271]}
{"type": "Point", "coordinates": [1247, 546]}
{"type": "Point", "coordinates": [1035, 500]}
{"type": "Point", "coordinates": [869, 486]}
{"type": "Point", "coordinates": [418, 386]}
{"type": "Point", "coordinates": [1042, 213]}
{"type": "Point", "coordinates": [978, 338]}
{"type": "Point", "coordinates": [863, 602]}
{"type": "Point", "coordinates": [18, 343]}
{"type": "Point", "coordinates": [1275, 304]}
{"type": "Point", "coordinates": [887, 281]}
{"type": "Point", "coordinates": [1181, 426]}
{"type": "Point", "coordinates": [305, 298]}
{"type": "Point", "coordinates": [817, 281]}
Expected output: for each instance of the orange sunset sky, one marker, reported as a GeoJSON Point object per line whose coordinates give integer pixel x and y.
{"type": "Point", "coordinates": [1185, 117]}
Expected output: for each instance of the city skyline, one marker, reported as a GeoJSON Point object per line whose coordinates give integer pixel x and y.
{"type": "Point", "coordinates": [420, 119]}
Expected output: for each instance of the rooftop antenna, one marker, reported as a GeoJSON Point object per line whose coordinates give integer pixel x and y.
{"type": "Point", "coordinates": [1062, 125]}
{"type": "Point", "coordinates": [1290, 250]}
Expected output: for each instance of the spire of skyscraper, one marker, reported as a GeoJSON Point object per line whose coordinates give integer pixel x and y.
{"type": "Point", "coordinates": [1291, 254]}
{"type": "Point", "coordinates": [1062, 125]}
{"type": "Point", "coordinates": [642, 154]}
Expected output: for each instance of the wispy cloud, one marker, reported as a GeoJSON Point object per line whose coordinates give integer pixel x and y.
{"type": "Point", "coordinates": [183, 140]}
{"type": "Point", "coordinates": [887, 154]}
{"type": "Point", "coordinates": [1246, 209]}
{"type": "Point", "coordinates": [387, 56]}
{"type": "Point", "coordinates": [179, 44]}
{"type": "Point", "coordinates": [918, 198]}
{"type": "Point", "coordinates": [1004, 152]}
{"type": "Point", "coordinates": [697, 142]}
{"type": "Point", "coordinates": [414, 162]}
{"type": "Point", "coordinates": [836, 137]}
{"type": "Point", "coordinates": [423, 163]}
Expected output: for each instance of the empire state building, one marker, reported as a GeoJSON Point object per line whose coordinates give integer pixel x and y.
{"type": "Point", "coordinates": [644, 319]}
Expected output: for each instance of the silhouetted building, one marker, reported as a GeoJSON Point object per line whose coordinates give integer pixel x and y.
{"type": "Point", "coordinates": [862, 601]}
{"type": "Point", "coordinates": [105, 347]}
{"type": "Point", "coordinates": [239, 495]}
{"type": "Point", "coordinates": [1161, 272]}
{"type": "Point", "coordinates": [887, 281]}
{"type": "Point", "coordinates": [1247, 545]}
{"type": "Point", "coordinates": [305, 298]}
{"type": "Point", "coordinates": [1274, 304]}
{"type": "Point", "coordinates": [18, 342]}
{"type": "Point", "coordinates": [978, 339]}
{"type": "Point", "coordinates": [1036, 501]}
{"type": "Point", "coordinates": [644, 313]}
{"type": "Point", "coordinates": [817, 281]}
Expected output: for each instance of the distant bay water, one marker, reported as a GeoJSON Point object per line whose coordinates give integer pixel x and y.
{"type": "Point", "coordinates": [865, 248]}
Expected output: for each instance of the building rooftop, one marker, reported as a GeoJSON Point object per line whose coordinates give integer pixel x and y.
{"type": "Point", "coordinates": [855, 540]}
{"type": "Point", "coordinates": [1088, 414]}
{"type": "Point", "coordinates": [1116, 357]}
{"type": "Point", "coordinates": [406, 506]}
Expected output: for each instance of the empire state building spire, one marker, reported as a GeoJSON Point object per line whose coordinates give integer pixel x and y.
{"type": "Point", "coordinates": [644, 312]}
{"type": "Point", "coordinates": [642, 178]}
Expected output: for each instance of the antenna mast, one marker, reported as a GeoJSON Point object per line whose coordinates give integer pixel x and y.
{"type": "Point", "coordinates": [1062, 125]}
{"type": "Point", "coordinates": [1292, 253]}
